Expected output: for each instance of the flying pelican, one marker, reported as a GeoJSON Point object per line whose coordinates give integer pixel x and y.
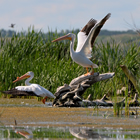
{"type": "Point", "coordinates": [86, 38]}
{"type": "Point", "coordinates": [30, 89]}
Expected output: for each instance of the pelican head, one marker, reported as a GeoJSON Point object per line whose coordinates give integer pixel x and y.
{"type": "Point", "coordinates": [27, 75]}
{"type": "Point", "coordinates": [69, 36]}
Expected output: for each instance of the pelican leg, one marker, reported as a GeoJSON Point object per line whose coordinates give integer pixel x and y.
{"type": "Point", "coordinates": [87, 72]}
{"type": "Point", "coordinates": [44, 100]}
{"type": "Point", "coordinates": [92, 71]}
{"type": "Point", "coordinates": [87, 69]}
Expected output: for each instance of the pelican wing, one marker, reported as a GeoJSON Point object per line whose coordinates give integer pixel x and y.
{"type": "Point", "coordinates": [82, 35]}
{"type": "Point", "coordinates": [32, 90]}
{"type": "Point", "coordinates": [36, 89]}
{"type": "Point", "coordinates": [41, 91]}
{"type": "Point", "coordinates": [92, 36]}
{"type": "Point", "coordinates": [16, 92]}
{"type": "Point", "coordinates": [89, 26]}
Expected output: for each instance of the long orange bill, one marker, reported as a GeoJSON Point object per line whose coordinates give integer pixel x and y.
{"type": "Point", "coordinates": [25, 134]}
{"type": "Point", "coordinates": [65, 37]}
{"type": "Point", "coordinates": [21, 78]}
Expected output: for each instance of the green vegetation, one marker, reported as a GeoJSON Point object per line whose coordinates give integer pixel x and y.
{"type": "Point", "coordinates": [9, 33]}
{"type": "Point", "coordinates": [53, 66]}
{"type": "Point", "coordinates": [7, 132]}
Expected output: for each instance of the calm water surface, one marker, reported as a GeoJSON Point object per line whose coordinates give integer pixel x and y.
{"type": "Point", "coordinates": [69, 123]}
{"type": "Point", "coordinates": [45, 133]}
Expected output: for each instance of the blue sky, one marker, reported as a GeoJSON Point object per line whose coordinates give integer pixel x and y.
{"type": "Point", "coordinates": [68, 14]}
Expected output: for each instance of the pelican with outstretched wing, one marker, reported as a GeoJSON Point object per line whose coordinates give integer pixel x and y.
{"type": "Point", "coordinates": [86, 39]}
{"type": "Point", "coordinates": [30, 89]}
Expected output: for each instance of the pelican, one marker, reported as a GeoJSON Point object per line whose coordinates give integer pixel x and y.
{"type": "Point", "coordinates": [86, 38]}
{"type": "Point", "coordinates": [30, 89]}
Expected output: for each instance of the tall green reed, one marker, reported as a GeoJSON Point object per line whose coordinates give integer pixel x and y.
{"type": "Point", "coordinates": [53, 66]}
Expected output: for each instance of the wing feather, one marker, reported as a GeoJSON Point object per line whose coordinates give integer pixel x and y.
{"type": "Point", "coordinates": [92, 35]}
{"type": "Point", "coordinates": [32, 90]}
{"type": "Point", "coordinates": [41, 91]}
{"type": "Point", "coordinates": [82, 35]}
{"type": "Point", "coordinates": [91, 23]}
{"type": "Point", "coordinates": [16, 92]}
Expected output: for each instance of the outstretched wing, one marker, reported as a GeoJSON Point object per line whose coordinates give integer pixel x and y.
{"type": "Point", "coordinates": [86, 29]}
{"type": "Point", "coordinates": [93, 34]}
{"type": "Point", "coordinates": [82, 35]}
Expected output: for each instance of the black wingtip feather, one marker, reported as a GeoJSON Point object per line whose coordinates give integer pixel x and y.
{"type": "Point", "coordinates": [105, 19]}
{"type": "Point", "coordinates": [98, 28]}
{"type": "Point", "coordinates": [91, 23]}
{"type": "Point", "coordinates": [16, 92]}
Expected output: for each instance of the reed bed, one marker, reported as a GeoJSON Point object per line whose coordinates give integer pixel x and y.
{"type": "Point", "coordinates": [53, 66]}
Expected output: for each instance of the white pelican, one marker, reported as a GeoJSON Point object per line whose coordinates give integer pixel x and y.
{"type": "Point", "coordinates": [30, 89]}
{"type": "Point", "coordinates": [86, 38]}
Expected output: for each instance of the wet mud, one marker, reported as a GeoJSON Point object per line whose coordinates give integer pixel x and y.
{"type": "Point", "coordinates": [30, 112]}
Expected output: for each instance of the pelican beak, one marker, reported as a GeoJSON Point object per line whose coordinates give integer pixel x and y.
{"type": "Point", "coordinates": [25, 134]}
{"type": "Point", "coordinates": [22, 77]}
{"type": "Point", "coordinates": [65, 37]}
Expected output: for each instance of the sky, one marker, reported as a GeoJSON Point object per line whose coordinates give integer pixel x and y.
{"type": "Point", "coordinates": [68, 14]}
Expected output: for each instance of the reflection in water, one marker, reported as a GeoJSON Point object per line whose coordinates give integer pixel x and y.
{"type": "Point", "coordinates": [24, 132]}
{"type": "Point", "coordinates": [85, 133]}
{"type": "Point", "coordinates": [66, 133]}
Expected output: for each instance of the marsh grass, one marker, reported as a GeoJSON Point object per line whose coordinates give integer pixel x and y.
{"type": "Point", "coordinates": [126, 101]}
{"type": "Point", "coordinates": [41, 133]}
{"type": "Point", "coordinates": [96, 109]}
{"type": "Point", "coordinates": [53, 66]}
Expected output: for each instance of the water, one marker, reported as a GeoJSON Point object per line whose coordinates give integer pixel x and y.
{"type": "Point", "coordinates": [37, 121]}
{"type": "Point", "coordinates": [45, 133]}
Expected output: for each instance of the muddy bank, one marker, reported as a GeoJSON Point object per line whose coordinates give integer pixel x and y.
{"type": "Point", "coordinates": [41, 115]}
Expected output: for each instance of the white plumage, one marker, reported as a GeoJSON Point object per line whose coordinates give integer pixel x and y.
{"type": "Point", "coordinates": [81, 56]}
{"type": "Point", "coordinates": [29, 89]}
{"type": "Point", "coordinates": [86, 38]}
{"type": "Point", "coordinates": [82, 37]}
{"type": "Point", "coordinates": [37, 89]}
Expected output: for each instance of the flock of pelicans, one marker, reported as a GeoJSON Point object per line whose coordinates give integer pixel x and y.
{"type": "Point", "coordinates": [82, 55]}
